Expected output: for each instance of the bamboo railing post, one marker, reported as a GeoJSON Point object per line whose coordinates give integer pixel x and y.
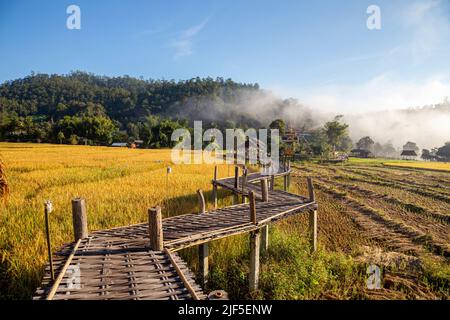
{"type": "Point", "coordinates": [236, 184]}
{"type": "Point", "coordinates": [203, 262]}
{"type": "Point", "coordinates": [203, 249]}
{"type": "Point", "coordinates": [155, 229]}
{"type": "Point", "coordinates": [311, 194]}
{"type": "Point", "coordinates": [244, 183]}
{"type": "Point", "coordinates": [214, 191]}
{"type": "Point", "coordinates": [79, 217]}
{"type": "Point", "coordinates": [265, 230]}
{"type": "Point", "coordinates": [255, 245]}
{"type": "Point", "coordinates": [289, 175]}
{"type": "Point", "coordinates": [264, 190]}
{"type": "Point", "coordinates": [312, 218]}
{"type": "Point", "coordinates": [255, 242]}
{"type": "Point", "coordinates": [48, 209]}
{"type": "Point", "coordinates": [201, 201]}
{"type": "Point", "coordinates": [272, 182]}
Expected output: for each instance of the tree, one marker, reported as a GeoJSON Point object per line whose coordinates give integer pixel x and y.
{"type": "Point", "coordinates": [426, 154]}
{"type": "Point", "coordinates": [73, 139]}
{"type": "Point", "coordinates": [365, 143]}
{"type": "Point", "coordinates": [61, 137]}
{"type": "Point", "coordinates": [280, 125]}
{"type": "Point", "coordinates": [335, 131]}
{"type": "Point", "coordinates": [389, 150]}
{"type": "Point", "coordinates": [378, 149]}
{"type": "Point", "coordinates": [345, 144]}
{"type": "Point", "coordinates": [444, 152]}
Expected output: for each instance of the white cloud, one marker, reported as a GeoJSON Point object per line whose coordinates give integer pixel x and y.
{"type": "Point", "coordinates": [383, 92]}
{"type": "Point", "coordinates": [183, 44]}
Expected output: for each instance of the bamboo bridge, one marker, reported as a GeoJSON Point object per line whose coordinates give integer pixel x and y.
{"type": "Point", "coordinates": [141, 261]}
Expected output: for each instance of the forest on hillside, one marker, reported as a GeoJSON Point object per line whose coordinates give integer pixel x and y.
{"type": "Point", "coordinates": [82, 107]}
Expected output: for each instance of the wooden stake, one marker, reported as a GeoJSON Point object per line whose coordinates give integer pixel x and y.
{"type": "Point", "coordinates": [272, 183]}
{"type": "Point", "coordinates": [214, 191]}
{"type": "Point", "coordinates": [79, 216]}
{"type": "Point", "coordinates": [155, 229]}
{"type": "Point", "coordinates": [255, 242]}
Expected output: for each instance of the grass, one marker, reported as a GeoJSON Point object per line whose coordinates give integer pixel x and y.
{"type": "Point", "coordinates": [119, 186]}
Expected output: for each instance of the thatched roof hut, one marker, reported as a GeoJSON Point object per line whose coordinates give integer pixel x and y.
{"type": "Point", "coordinates": [409, 154]}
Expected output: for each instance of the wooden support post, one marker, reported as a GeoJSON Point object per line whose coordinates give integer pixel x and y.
{"type": "Point", "coordinates": [285, 182]}
{"type": "Point", "coordinates": [265, 230]}
{"type": "Point", "coordinates": [214, 191]}
{"type": "Point", "coordinates": [236, 184]}
{"type": "Point", "coordinates": [312, 217]}
{"type": "Point", "coordinates": [201, 201]}
{"type": "Point", "coordinates": [203, 264]}
{"type": "Point", "coordinates": [155, 229]}
{"type": "Point", "coordinates": [244, 183]}
{"type": "Point", "coordinates": [79, 217]}
{"type": "Point", "coordinates": [255, 242]}
{"type": "Point", "coordinates": [264, 190]}
{"type": "Point", "coordinates": [289, 175]}
{"type": "Point", "coordinates": [203, 249]}
{"type": "Point", "coordinates": [47, 211]}
{"type": "Point", "coordinates": [272, 183]}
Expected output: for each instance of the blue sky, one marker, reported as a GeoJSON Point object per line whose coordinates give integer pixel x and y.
{"type": "Point", "coordinates": [320, 52]}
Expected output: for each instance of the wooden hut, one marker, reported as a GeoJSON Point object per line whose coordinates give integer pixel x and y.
{"type": "Point", "coordinates": [409, 155]}
{"type": "Point", "coordinates": [361, 153]}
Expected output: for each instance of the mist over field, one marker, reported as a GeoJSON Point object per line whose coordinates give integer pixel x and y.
{"type": "Point", "coordinates": [428, 126]}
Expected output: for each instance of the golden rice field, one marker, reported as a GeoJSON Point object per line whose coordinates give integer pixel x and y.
{"type": "Point", "coordinates": [119, 185]}
{"type": "Point", "coordinates": [438, 166]}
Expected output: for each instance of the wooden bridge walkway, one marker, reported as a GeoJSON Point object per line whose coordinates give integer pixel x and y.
{"type": "Point", "coordinates": [123, 263]}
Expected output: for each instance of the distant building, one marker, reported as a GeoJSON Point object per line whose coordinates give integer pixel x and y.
{"type": "Point", "coordinates": [138, 143]}
{"type": "Point", "coordinates": [119, 144]}
{"type": "Point", "coordinates": [361, 153]}
{"type": "Point", "coordinates": [408, 155]}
